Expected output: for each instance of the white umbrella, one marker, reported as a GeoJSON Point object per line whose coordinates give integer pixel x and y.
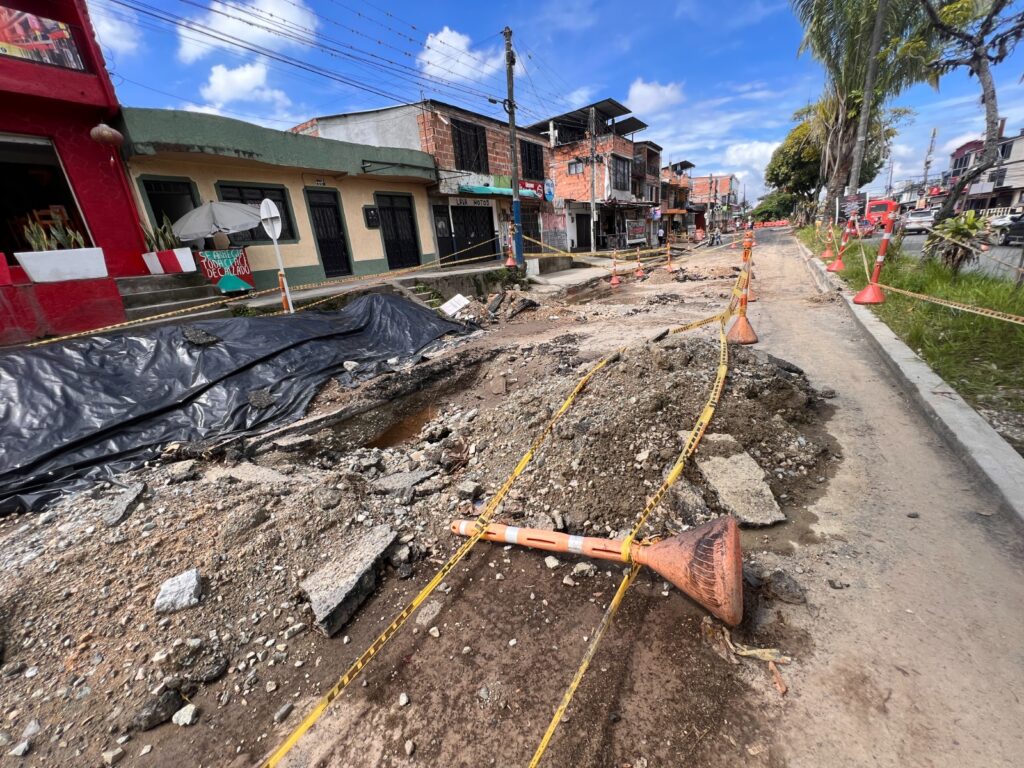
{"type": "Point", "coordinates": [213, 217]}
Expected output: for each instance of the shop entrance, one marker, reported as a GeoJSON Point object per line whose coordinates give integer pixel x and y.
{"type": "Point", "coordinates": [474, 230]}
{"type": "Point", "coordinates": [398, 225]}
{"type": "Point", "coordinates": [33, 190]}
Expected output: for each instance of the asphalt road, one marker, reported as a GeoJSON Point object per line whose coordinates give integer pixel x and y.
{"type": "Point", "coordinates": [1001, 260]}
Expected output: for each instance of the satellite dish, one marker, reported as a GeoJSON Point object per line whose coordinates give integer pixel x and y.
{"type": "Point", "coordinates": [271, 218]}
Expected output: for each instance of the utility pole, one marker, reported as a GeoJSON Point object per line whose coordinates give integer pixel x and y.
{"type": "Point", "coordinates": [867, 101]}
{"type": "Point", "coordinates": [928, 159]}
{"type": "Point", "coordinates": [592, 129]}
{"type": "Point", "coordinates": [513, 145]}
{"type": "Point", "coordinates": [888, 186]}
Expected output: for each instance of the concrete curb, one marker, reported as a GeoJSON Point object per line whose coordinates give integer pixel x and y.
{"type": "Point", "coordinates": [982, 449]}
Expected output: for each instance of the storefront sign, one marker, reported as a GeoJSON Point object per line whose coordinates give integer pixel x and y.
{"type": "Point", "coordinates": [229, 269]}
{"type": "Point", "coordinates": [549, 190]}
{"type": "Point", "coordinates": [534, 186]}
{"type": "Point", "coordinates": [481, 203]}
{"type": "Point", "coordinates": [636, 231]}
{"type": "Point", "coordinates": [26, 36]}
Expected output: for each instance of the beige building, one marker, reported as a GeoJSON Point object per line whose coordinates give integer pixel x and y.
{"type": "Point", "coordinates": [347, 209]}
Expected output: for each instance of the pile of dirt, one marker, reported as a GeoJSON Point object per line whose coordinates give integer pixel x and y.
{"type": "Point", "coordinates": [89, 658]}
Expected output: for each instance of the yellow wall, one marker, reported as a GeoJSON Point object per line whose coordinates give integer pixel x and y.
{"type": "Point", "coordinates": [364, 244]}
{"type": "Point", "coordinates": [357, 192]}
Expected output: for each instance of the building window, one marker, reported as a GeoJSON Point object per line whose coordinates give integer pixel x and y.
{"type": "Point", "coordinates": [531, 156]}
{"type": "Point", "coordinates": [998, 177]}
{"type": "Point", "coordinates": [960, 163]}
{"type": "Point", "coordinates": [252, 195]}
{"type": "Point", "coordinates": [172, 198]}
{"type": "Point", "coordinates": [575, 167]}
{"type": "Point", "coordinates": [620, 173]}
{"type": "Point", "coordinates": [469, 141]}
{"type": "Point", "coordinates": [1005, 150]}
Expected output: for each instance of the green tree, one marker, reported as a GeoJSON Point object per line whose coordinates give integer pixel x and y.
{"type": "Point", "coordinates": [976, 34]}
{"type": "Point", "coordinates": [775, 205]}
{"type": "Point", "coordinates": [796, 163]}
{"type": "Point", "coordinates": [836, 34]}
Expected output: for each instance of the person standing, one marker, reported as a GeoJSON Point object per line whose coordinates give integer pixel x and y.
{"type": "Point", "coordinates": [661, 235]}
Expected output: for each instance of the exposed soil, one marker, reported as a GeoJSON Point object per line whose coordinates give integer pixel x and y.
{"type": "Point", "coordinates": [84, 650]}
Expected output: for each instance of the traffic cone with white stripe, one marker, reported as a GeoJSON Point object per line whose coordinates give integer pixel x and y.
{"type": "Point", "coordinates": [704, 563]}
{"type": "Point", "coordinates": [838, 265]}
{"type": "Point", "coordinates": [639, 273]}
{"type": "Point", "coordinates": [871, 293]}
{"type": "Point", "coordinates": [615, 274]}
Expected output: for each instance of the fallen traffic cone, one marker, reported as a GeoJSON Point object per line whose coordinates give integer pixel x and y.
{"type": "Point", "coordinates": [704, 563]}
{"type": "Point", "coordinates": [615, 274]}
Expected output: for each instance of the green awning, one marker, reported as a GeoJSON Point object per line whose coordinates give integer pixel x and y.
{"type": "Point", "coordinates": [472, 189]}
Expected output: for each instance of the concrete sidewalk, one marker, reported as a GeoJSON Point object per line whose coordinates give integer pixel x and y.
{"type": "Point", "coordinates": [309, 294]}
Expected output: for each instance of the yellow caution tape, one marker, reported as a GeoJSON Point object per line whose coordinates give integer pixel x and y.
{"type": "Point", "coordinates": [691, 445]}
{"type": "Point", "coordinates": [366, 279]}
{"type": "Point", "coordinates": [481, 523]}
{"type": "Point", "coordinates": [606, 620]}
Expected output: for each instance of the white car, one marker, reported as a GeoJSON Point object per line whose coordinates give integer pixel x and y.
{"type": "Point", "coordinates": [1001, 226]}
{"type": "Point", "coordinates": [919, 220]}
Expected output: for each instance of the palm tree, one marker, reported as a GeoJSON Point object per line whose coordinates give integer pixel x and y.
{"type": "Point", "coordinates": [837, 33]}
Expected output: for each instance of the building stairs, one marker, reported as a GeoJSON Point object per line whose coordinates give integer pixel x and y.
{"type": "Point", "coordinates": [156, 294]}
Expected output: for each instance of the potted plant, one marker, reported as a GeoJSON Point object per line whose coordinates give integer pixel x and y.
{"type": "Point", "coordinates": [166, 252]}
{"type": "Point", "coordinates": [59, 253]}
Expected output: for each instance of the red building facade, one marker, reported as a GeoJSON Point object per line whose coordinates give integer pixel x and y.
{"type": "Point", "coordinates": [55, 90]}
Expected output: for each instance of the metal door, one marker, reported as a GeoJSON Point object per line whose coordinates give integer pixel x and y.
{"type": "Point", "coordinates": [398, 226]}
{"type": "Point", "coordinates": [443, 232]}
{"type": "Point", "coordinates": [583, 231]}
{"type": "Point", "coordinates": [325, 215]}
{"type": "Point", "coordinates": [474, 230]}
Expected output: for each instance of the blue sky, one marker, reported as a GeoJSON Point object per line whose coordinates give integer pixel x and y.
{"type": "Point", "coordinates": [716, 82]}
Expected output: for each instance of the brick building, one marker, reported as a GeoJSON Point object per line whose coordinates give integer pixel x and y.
{"type": "Point", "coordinates": [721, 197]}
{"type": "Point", "coordinates": [471, 205]}
{"type": "Point", "coordinates": [626, 186]}
{"type": "Point", "coordinates": [679, 216]}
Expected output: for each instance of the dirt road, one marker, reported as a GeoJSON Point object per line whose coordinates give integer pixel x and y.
{"type": "Point", "coordinates": [902, 607]}
{"type": "Point", "coordinates": [914, 661]}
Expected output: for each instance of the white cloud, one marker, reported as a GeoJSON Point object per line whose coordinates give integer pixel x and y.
{"type": "Point", "coordinates": [753, 13]}
{"type": "Point", "coordinates": [581, 96]}
{"type": "Point", "coordinates": [245, 83]}
{"type": "Point", "coordinates": [236, 19]}
{"type": "Point", "coordinates": [118, 34]}
{"type": "Point", "coordinates": [449, 54]}
{"type": "Point", "coordinates": [204, 109]}
{"type": "Point", "coordinates": [568, 15]}
{"type": "Point", "coordinates": [653, 97]}
{"type": "Point", "coordinates": [750, 154]}
{"type": "Point", "coordinates": [956, 141]}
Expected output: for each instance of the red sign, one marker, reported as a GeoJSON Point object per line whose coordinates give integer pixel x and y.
{"type": "Point", "coordinates": [533, 186]}
{"type": "Point", "coordinates": [229, 270]}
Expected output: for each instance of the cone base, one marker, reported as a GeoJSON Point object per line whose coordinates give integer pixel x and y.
{"type": "Point", "coordinates": [827, 254]}
{"type": "Point", "coordinates": [871, 294]}
{"type": "Point", "coordinates": [742, 332]}
{"type": "Point", "coordinates": [836, 266]}
{"type": "Point", "coordinates": [614, 281]}
{"type": "Point", "coordinates": [510, 262]}
{"type": "Point", "coordinates": [638, 273]}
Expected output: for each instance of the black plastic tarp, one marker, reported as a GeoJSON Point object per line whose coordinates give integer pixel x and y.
{"type": "Point", "coordinates": [91, 406]}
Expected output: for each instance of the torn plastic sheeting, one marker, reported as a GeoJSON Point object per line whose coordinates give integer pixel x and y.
{"type": "Point", "coordinates": [107, 403]}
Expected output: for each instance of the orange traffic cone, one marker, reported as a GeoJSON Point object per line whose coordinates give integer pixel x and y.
{"type": "Point", "coordinates": [742, 332]}
{"type": "Point", "coordinates": [704, 563]}
{"type": "Point", "coordinates": [639, 268]}
{"type": "Point", "coordinates": [615, 274]}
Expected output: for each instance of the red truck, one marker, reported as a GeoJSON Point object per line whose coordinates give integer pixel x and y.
{"type": "Point", "coordinates": [879, 210]}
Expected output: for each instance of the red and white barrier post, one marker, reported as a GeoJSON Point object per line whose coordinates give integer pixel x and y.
{"type": "Point", "coordinates": [838, 265]}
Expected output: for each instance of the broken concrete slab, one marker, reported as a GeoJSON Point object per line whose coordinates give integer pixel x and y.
{"type": "Point", "coordinates": [121, 507]}
{"type": "Point", "coordinates": [246, 472]}
{"type": "Point", "coordinates": [179, 592]}
{"type": "Point", "coordinates": [294, 442]}
{"type": "Point", "coordinates": [336, 590]}
{"type": "Point", "coordinates": [741, 488]}
{"type": "Point", "coordinates": [402, 483]}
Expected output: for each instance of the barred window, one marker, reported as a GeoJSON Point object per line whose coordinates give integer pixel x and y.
{"type": "Point", "coordinates": [531, 156]}
{"type": "Point", "coordinates": [252, 195]}
{"type": "Point", "coordinates": [469, 141]}
{"type": "Point", "coordinates": [620, 173]}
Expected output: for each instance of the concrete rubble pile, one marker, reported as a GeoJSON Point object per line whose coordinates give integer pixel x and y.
{"type": "Point", "coordinates": [206, 576]}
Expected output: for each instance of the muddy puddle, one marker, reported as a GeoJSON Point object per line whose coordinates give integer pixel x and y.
{"type": "Point", "coordinates": [783, 538]}
{"type": "Point", "coordinates": [405, 428]}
